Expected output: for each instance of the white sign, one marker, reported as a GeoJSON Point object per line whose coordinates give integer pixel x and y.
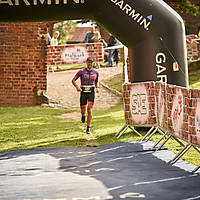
{"type": "Point", "coordinates": [139, 106]}
{"type": "Point", "coordinates": [177, 112]}
{"type": "Point", "coordinates": [197, 118]}
{"type": "Point", "coordinates": [75, 54]}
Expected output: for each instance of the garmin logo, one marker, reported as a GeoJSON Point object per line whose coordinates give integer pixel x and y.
{"type": "Point", "coordinates": [131, 12]}
{"type": "Point", "coordinates": [37, 2]}
{"type": "Point", "coordinates": [161, 69]}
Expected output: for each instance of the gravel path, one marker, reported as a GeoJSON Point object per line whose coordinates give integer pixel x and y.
{"type": "Point", "coordinates": [62, 91]}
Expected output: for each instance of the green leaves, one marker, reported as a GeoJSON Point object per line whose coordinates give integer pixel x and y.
{"type": "Point", "coordinates": [187, 7]}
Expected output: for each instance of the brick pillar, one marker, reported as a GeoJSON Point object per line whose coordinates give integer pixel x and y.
{"type": "Point", "coordinates": [22, 62]}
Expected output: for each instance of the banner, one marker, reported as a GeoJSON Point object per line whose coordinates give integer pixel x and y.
{"type": "Point", "coordinates": [151, 29]}
{"type": "Point", "coordinates": [171, 108]}
{"type": "Point", "coordinates": [142, 107]}
{"type": "Point", "coordinates": [74, 53]}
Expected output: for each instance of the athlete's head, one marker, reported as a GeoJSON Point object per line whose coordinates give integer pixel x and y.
{"type": "Point", "coordinates": [89, 63]}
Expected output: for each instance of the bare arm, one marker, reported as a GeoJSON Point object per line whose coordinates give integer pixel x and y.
{"type": "Point", "coordinates": [97, 86]}
{"type": "Point", "coordinates": [75, 85]}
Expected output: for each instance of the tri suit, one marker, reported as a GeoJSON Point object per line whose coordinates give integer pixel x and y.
{"type": "Point", "coordinates": [88, 80]}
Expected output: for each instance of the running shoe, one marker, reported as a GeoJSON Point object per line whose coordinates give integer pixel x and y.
{"type": "Point", "coordinates": [83, 119]}
{"type": "Point", "coordinates": [88, 132]}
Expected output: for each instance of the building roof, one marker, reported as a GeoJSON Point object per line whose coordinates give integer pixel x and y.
{"type": "Point", "coordinates": [78, 34]}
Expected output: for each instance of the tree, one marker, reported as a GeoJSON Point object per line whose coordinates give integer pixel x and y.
{"type": "Point", "coordinates": [63, 28]}
{"type": "Point", "coordinates": [189, 8]}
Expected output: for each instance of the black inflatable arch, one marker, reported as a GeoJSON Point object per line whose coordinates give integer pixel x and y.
{"type": "Point", "coordinates": [153, 31]}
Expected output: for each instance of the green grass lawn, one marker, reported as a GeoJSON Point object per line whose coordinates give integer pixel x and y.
{"type": "Point", "coordinates": [194, 75]}
{"type": "Point", "coordinates": [39, 127]}
{"type": "Point", "coordinates": [67, 67]}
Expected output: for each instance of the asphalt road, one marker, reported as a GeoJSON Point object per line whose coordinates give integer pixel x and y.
{"type": "Point", "coordinates": [113, 171]}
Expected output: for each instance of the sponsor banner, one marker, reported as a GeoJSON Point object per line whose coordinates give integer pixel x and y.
{"type": "Point", "coordinates": [74, 53]}
{"type": "Point", "coordinates": [142, 104]}
{"type": "Point", "coordinates": [177, 112]}
{"type": "Point", "coordinates": [171, 108]}
{"type": "Point", "coordinates": [139, 105]}
{"type": "Point", "coordinates": [162, 105]}
{"type": "Point", "coordinates": [197, 119]}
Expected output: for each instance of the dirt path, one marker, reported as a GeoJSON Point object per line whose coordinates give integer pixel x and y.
{"type": "Point", "coordinates": [61, 89]}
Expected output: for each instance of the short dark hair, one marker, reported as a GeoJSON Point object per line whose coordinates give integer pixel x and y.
{"type": "Point", "coordinates": [90, 59]}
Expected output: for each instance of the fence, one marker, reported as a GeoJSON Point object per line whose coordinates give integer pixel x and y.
{"type": "Point", "coordinates": [172, 110]}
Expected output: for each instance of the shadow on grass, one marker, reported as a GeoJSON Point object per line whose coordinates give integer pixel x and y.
{"type": "Point", "coordinates": [95, 140]}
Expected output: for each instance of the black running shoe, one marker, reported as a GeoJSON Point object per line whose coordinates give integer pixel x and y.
{"type": "Point", "coordinates": [83, 119]}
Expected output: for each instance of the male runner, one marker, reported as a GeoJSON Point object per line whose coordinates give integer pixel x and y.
{"type": "Point", "coordinates": [89, 81]}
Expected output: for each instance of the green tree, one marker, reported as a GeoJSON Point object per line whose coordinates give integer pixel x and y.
{"type": "Point", "coordinates": [189, 8]}
{"type": "Point", "coordinates": [64, 27]}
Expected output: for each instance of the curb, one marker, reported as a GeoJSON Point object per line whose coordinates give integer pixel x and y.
{"type": "Point", "coordinates": [117, 93]}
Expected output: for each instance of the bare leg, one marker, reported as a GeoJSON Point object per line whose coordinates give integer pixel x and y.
{"type": "Point", "coordinates": [89, 112]}
{"type": "Point", "coordinates": [83, 110]}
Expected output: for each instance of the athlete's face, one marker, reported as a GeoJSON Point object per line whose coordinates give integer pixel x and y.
{"type": "Point", "coordinates": [89, 65]}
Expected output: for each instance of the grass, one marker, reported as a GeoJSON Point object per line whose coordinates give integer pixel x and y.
{"type": "Point", "coordinates": [39, 127]}
{"type": "Point", "coordinates": [194, 77]}
{"type": "Point", "coordinates": [115, 82]}
{"type": "Point", "coordinates": [68, 67]}
{"type": "Point", "coordinates": [74, 66]}
{"type": "Point", "coordinates": [194, 74]}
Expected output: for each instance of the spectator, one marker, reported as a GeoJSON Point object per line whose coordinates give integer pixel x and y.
{"type": "Point", "coordinates": [111, 42]}
{"type": "Point", "coordinates": [116, 53]}
{"type": "Point", "coordinates": [54, 39]}
{"type": "Point", "coordinates": [89, 35]}
{"type": "Point", "coordinates": [97, 38]}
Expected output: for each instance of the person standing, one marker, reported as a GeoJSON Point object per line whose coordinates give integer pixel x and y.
{"type": "Point", "coordinates": [111, 42]}
{"type": "Point", "coordinates": [97, 38]}
{"type": "Point", "coordinates": [54, 39]}
{"type": "Point", "coordinates": [89, 82]}
{"type": "Point", "coordinates": [89, 35]}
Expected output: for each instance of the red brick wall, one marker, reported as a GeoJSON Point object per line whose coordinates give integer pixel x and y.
{"type": "Point", "coordinates": [193, 47]}
{"type": "Point", "coordinates": [22, 62]}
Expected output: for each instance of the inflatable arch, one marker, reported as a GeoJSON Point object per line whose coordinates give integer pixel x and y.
{"type": "Point", "coordinates": [153, 32]}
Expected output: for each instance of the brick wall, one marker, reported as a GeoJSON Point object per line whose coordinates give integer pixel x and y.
{"type": "Point", "coordinates": [193, 47]}
{"type": "Point", "coordinates": [73, 54]}
{"type": "Point", "coordinates": [172, 108]}
{"type": "Point", "coordinates": [22, 62]}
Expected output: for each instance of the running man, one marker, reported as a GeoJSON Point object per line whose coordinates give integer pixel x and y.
{"type": "Point", "coordinates": [89, 81]}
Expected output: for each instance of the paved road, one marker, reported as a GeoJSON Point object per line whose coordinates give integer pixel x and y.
{"type": "Point", "coordinates": [61, 89]}
{"type": "Point", "coordinates": [114, 171]}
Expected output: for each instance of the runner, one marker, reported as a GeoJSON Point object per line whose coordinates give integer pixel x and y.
{"type": "Point", "coordinates": [89, 81]}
